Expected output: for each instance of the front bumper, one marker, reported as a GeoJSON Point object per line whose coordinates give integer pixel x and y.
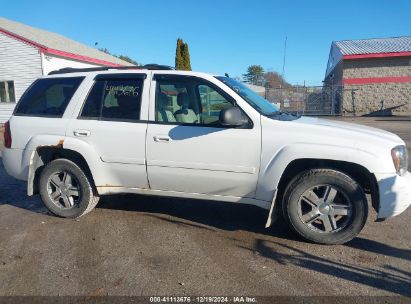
{"type": "Point", "coordinates": [394, 193]}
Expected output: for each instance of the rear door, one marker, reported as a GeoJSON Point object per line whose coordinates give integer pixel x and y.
{"type": "Point", "coordinates": [114, 122]}
{"type": "Point", "coordinates": [187, 148]}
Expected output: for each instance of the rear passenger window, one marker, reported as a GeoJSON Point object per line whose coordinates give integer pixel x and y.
{"type": "Point", "coordinates": [116, 99]}
{"type": "Point", "coordinates": [48, 97]}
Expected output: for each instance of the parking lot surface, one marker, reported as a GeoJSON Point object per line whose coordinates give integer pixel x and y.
{"type": "Point", "coordinates": [140, 245]}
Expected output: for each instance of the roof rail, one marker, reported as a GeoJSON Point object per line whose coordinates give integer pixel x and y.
{"type": "Point", "coordinates": [96, 69]}
{"type": "Point", "coordinates": [155, 66]}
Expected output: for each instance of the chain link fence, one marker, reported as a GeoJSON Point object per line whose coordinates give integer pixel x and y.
{"type": "Point", "coordinates": [316, 100]}
{"type": "Point", "coordinates": [349, 100]}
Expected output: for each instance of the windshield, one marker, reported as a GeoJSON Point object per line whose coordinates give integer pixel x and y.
{"type": "Point", "coordinates": [262, 105]}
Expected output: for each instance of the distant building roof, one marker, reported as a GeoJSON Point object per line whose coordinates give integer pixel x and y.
{"type": "Point", "coordinates": [367, 48]}
{"type": "Point", "coordinates": [376, 45]}
{"type": "Point", "coordinates": [55, 44]}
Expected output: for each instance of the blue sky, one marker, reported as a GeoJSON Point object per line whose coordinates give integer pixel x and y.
{"type": "Point", "coordinates": [224, 36]}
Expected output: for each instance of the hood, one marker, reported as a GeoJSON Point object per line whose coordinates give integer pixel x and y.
{"type": "Point", "coordinates": [351, 128]}
{"type": "Point", "coordinates": [318, 138]}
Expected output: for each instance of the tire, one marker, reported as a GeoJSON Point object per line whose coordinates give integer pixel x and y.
{"type": "Point", "coordinates": [65, 189]}
{"type": "Point", "coordinates": [325, 206]}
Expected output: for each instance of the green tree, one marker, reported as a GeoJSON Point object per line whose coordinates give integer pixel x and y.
{"type": "Point", "coordinates": [186, 57]}
{"type": "Point", "coordinates": [128, 59]}
{"type": "Point", "coordinates": [104, 50]}
{"type": "Point", "coordinates": [182, 59]}
{"type": "Point", "coordinates": [122, 57]}
{"type": "Point", "coordinates": [254, 75]}
{"type": "Point", "coordinates": [179, 62]}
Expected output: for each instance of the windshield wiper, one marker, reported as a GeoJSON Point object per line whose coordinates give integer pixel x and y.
{"type": "Point", "coordinates": [280, 115]}
{"type": "Point", "coordinates": [276, 113]}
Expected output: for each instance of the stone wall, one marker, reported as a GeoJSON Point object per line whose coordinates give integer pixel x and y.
{"type": "Point", "coordinates": [377, 67]}
{"type": "Point", "coordinates": [376, 97]}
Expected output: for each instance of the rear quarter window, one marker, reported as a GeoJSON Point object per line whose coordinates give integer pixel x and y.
{"type": "Point", "coordinates": [48, 97]}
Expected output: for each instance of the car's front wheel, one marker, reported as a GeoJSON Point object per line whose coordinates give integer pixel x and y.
{"type": "Point", "coordinates": [325, 206]}
{"type": "Point", "coordinates": [66, 190]}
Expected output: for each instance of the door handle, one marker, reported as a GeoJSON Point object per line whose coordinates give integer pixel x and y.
{"type": "Point", "coordinates": [162, 138]}
{"type": "Point", "coordinates": [81, 133]}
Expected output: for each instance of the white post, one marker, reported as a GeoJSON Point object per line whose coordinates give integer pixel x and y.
{"type": "Point", "coordinates": [6, 91]}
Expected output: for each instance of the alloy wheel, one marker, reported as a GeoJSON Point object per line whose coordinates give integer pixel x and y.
{"type": "Point", "coordinates": [63, 190]}
{"type": "Point", "coordinates": [325, 209]}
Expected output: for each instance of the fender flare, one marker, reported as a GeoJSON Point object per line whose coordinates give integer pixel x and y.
{"type": "Point", "coordinates": [274, 170]}
{"type": "Point", "coordinates": [32, 157]}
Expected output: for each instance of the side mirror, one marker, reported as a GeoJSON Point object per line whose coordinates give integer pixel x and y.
{"type": "Point", "coordinates": [232, 117]}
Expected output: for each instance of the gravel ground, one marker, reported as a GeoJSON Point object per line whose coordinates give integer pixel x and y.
{"type": "Point", "coordinates": [137, 245]}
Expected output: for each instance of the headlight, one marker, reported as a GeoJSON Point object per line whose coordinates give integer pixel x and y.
{"type": "Point", "coordinates": [400, 158]}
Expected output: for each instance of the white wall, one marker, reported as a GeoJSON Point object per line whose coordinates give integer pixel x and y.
{"type": "Point", "coordinates": [19, 62]}
{"type": "Point", "coordinates": [23, 63]}
{"type": "Point", "coordinates": [52, 63]}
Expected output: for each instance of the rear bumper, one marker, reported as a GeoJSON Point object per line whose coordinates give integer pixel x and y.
{"type": "Point", "coordinates": [12, 161]}
{"type": "Point", "coordinates": [394, 193]}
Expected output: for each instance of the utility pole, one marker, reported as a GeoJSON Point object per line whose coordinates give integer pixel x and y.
{"type": "Point", "coordinates": [282, 74]}
{"type": "Point", "coordinates": [285, 52]}
{"type": "Point", "coordinates": [332, 95]}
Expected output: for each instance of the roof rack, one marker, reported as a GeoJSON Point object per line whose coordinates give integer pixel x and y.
{"type": "Point", "coordinates": [155, 66]}
{"type": "Point", "coordinates": [96, 69]}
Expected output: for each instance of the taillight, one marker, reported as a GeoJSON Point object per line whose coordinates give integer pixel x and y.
{"type": "Point", "coordinates": [7, 135]}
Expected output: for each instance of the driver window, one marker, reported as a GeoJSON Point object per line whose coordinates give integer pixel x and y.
{"type": "Point", "coordinates": [188, 101]}
{"type": "Point", "coordinates": [211, 104]}
{"type": "Point", "coordinates": [176, 102]}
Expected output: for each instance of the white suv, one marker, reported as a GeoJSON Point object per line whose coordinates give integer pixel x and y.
{"type": "Point", "coordinates": [79, 134]}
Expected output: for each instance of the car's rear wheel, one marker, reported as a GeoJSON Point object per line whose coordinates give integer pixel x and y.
{"type": "Point", "coordinates": [66, 190]}
{"type": "Point", "coordinates": [325, 206]}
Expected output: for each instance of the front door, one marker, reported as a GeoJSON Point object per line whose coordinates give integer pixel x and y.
{"type": "Point", "coordinates": [189, 151]}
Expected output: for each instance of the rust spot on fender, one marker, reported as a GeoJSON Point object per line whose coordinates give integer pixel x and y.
{"type": "Point", "coordinates": [60, 143]}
